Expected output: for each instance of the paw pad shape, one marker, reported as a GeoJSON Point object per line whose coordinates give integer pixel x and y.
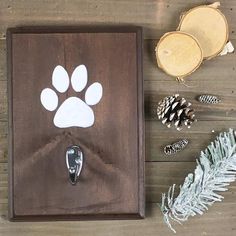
{"type": "Point", "coordinates": [73, 112]}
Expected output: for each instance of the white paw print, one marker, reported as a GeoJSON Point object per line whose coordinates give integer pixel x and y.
{"type": "Point", "coordinates": [73, 112]}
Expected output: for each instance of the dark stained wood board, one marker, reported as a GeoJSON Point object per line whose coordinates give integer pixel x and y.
{"type": "Point", "coordinates": [111, 184]}
{"type": "Point", "coordinates": [216, 76]}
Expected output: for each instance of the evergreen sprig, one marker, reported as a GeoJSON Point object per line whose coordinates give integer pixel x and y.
{"type": "Point", "coordinates": [215, 170]}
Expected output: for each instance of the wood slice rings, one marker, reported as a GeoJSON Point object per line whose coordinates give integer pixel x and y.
{"type": "Point", "coordinates": [178, 54]}
{"type": "Point", "coordinates": [202, 34]}
{"type": "Point", "coordinates": [209, 26]}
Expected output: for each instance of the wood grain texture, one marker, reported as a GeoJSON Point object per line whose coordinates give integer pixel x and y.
{"type": "Point", "coordinates": [216, 76]}
{"type": "Point", "coordinates": [157, 180]}
{"type": "Point", "coordinates": [158, 177]}
{"type": "Point", "coordinates": [199, 137]}
{"type": "Point", "coordinates": [111, 184]}
{"type": "Point", "coordinates": [157, 17]}
{"type": "Point", "coordinates": [152, 225]}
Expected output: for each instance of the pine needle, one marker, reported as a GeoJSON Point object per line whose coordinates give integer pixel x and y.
{"type": "Point", "coordinates": [215, 170]}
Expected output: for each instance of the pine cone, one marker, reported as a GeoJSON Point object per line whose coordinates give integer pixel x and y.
{"type": "Point", "coordinates": [208, 99]}
{"type": "Point", "coordinates": [175, 147]}
{"type": "Point", "coordinates": [175, 110]}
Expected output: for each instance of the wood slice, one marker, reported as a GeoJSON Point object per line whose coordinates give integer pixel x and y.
{"type": "Point", "coordinates": [209, 26]}
{"type": "Point", "coordinates": [178, 54]}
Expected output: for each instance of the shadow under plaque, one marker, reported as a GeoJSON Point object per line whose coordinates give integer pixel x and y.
{"type": "Point", "coordinates": [75, 92]}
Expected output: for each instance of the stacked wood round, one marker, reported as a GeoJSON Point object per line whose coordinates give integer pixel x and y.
{"type": "Point", "coordinates": [202, 34]}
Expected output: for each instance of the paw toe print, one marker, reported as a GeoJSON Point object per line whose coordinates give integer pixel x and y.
{"type": "Point", "coordinates": [73, 112]}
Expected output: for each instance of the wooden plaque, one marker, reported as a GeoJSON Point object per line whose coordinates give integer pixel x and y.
{"type": "Point", "coordinates": [75, 86]}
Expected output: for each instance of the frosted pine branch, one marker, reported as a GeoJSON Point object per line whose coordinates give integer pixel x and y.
{"type": "Point", "coordinates": [216, 169]}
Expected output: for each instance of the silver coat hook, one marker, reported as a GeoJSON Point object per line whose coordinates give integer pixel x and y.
{"type": "Point", "coordinates": [74, 162]}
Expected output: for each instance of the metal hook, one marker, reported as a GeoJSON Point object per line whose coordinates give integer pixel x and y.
{"type": "Point", "coordinates": [74, 162]}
